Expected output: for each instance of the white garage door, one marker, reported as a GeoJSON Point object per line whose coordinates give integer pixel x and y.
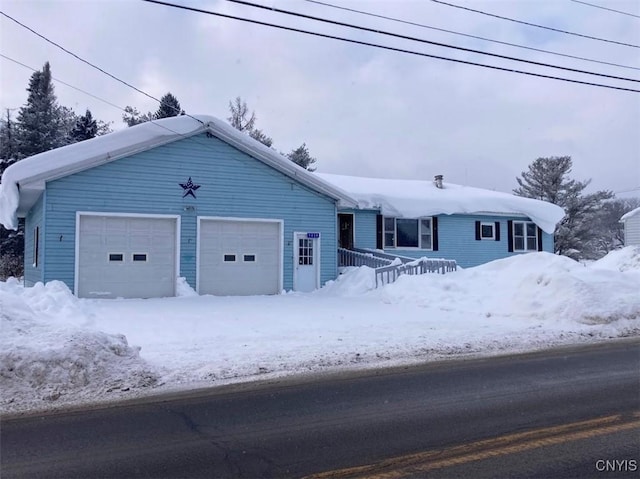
{"type": "Point", "coordinates": [128, 257]}
{"type": "Point", "coordinates": [239, 257]}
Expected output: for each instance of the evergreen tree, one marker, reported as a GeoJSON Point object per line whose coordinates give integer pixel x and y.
{"type": "Point", "coordinates": [548, 180]}
{"type": "Point", "coordinates": [133, 117]}
{"type": "Point", "coordinates": [261, 137]}
{"type": "Point", "coordinates": [8, 142]}
{"type": "Point", "coordinates": [301, 157]}
{"type": "Point", "coordinates": [85, 128]}
{"type": "Point", "coordinates": [169, 106]}
{"type": "Point", "coordinates": [42, 124]}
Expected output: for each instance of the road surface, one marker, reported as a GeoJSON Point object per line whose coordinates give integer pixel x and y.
{"type": "Point", "coordinates": [564, 413]}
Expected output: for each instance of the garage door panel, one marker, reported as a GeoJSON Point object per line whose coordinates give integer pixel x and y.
{"type": "Point", "coordinates": [257, 239]}
{"type": "Point", "coordinates": [102, 236]}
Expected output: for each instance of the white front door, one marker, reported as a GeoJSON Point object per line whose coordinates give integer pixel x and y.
{"type": "Point", "coordinates": [306, 275]}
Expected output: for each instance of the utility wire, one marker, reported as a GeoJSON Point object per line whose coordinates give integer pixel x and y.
{"type": "Point", "coordinates": [421, 40]}
{"type": "Point", "coordinates": [422, 25]}
{"type": "Point", "coordinates": [535, 25]}
{"type": "Point", "coordinates": [605, 8]}
{"type": "Point", "coordinates": [97, 97]}
{"type": "Point", "coordinates": [64, 83]}
{"type": "Point", "coordinates": [385, 47]}
{"type": "Point", "coordinates": [87, 62]}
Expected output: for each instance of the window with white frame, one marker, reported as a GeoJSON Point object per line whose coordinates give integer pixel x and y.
{"type": "Point", "coordinates": [525, 236]}
{"type": "Point", "coordinates": [487, 231]}
{"type": "Point", "coordinates": [408, 233]}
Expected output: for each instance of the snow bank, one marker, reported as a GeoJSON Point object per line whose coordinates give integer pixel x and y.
{"type": "Point", "coordinates": [57, 349]}
{"type": "Point", "coordinates": [416, 198]}
{"type": "Point", "coordinates": [535, 286]}
{"type": "Point", "coordinates": [45, 359]}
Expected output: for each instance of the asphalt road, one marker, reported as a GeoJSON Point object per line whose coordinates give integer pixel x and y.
{"type": "Point", "coordinates": [562, 413]}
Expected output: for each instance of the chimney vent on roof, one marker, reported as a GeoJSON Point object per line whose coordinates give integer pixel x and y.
{"type": "Point", "coordinates": [437, 180]}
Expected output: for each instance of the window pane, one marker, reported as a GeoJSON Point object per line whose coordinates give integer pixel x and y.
{"type": "Point", "coordinates": [389, 224]}
{"type": "Point", "coordinates": [229, 258]}
{"type": "Point", "coordinates": [425, 242]}
{"type": "Point", "coordinates": [139, 257]}
{"type": "Point", "coordinates": [518, 244]}
{"type": "Point", "coordinates": [531, 229]}
{"type": "Point", "coordinates": [532, 243]}
{"type": "Point", "coordinates": [425, 225]}
{"type": "Point", "coordinates": [407, 233]}
{"type": "Point", "coordinates": [518, 229]}
{"type": "Point", "coordinates": [249, 257]}
{"type": "Point", "coordinates": [388, 240]}
{"type": "Point", "coordinates": [116, 257]}
{"type": "Point", "coordinates": [487, 231]}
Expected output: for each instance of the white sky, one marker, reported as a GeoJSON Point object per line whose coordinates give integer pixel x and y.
{"type": "Point", "coordinates": [361, 111]}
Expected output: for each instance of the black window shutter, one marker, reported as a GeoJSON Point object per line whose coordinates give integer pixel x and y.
{"type": "Point", "coordinates": [497, 232]}
{"type": "Point", "coordinates": [539, 239]}
{"type": "Point", "coordinates": [434, 222]}
{"type": "Point", "coordinates": [379, 232]}
{"type": "Point", "coordinates": [477, 231]}
{"type": "Point", "coordinates": [510, 236]}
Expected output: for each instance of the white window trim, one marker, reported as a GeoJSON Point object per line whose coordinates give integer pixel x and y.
{"type": "Point", "coordinates": [493, 231]}
{"type": "Point", "coordinates": [525, 236]}
{"type": "Point", "coordinates": [36, 246]}
{"type": "Point", "coordinates": [395, 234]}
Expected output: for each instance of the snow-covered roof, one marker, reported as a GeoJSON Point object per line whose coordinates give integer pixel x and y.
{"type": "Point", "coordinates": [23, 182]}
{"type": "Point", "coordinates": [631, 213]}
{"type": "Point", "coordinates": [416, 198]}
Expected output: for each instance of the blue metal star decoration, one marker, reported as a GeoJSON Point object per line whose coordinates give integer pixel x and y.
{"type": "Point", "coordinates": [189, 188]}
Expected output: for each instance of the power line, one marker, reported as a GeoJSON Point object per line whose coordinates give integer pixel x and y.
{"type": "Point", "coordinates": [97, 97]}
{"type": "Point", "coordinates": [87, 62]}
{"type": "Point", "coordinates": [422, 25]}
{"type": "Point", "coordinates": [421, 40]}
{"type": "Point", "coordinates": [385, 47]}
{"type": "Point", "coordinates": [64, 83]}
{"type": "Point", "coordinates": [605, 8]}
{"type": "Point", "coordinates": [535, 25]}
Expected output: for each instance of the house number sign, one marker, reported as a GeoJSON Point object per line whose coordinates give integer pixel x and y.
{"type": "Point", "coordinates": [313, 235]}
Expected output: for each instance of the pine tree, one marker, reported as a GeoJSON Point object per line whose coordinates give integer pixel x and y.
{"type": "Point", "coordinates": [8, 142]}
{"type": "Point", "coordinates": [169, 106]}
{"type": "Point", "coordinates": [42, 124]}
{"type": "Point", "coordinates": [301, 157]}
{"type": "Point", "coordinates": [548, 180]}
{"type": "Point", "coordinates": [85, 128]}
{"type": "Point", "coordinates": [261, 137]}
{"type": "Point", "coordinates": [133, 117]}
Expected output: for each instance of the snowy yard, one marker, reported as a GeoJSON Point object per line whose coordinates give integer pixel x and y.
{"type": "Point", "coordinates": [57, 350]}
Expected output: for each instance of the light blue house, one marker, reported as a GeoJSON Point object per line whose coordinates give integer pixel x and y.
{"type": "Point", "coordinates": [126, 214]}
{"type": "Point", "coordinates": [415, 219]}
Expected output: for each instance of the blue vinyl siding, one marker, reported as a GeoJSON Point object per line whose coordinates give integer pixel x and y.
{"type": "Point", "coordinates": [232, 184]}
{"type": "Point", "coordinates": [456, 239]}
{"type": "Point", "coordinates": [364, 228]}
{"type": "Point", "coordinates": [33, 220]}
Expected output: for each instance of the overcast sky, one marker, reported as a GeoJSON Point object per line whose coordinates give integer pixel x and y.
{"type": "Point", "coordinates": [361, 110]}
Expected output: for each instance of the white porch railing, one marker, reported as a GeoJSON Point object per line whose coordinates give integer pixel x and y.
{"type": "Point", "coordinates": [347, 257]}
{"type": "Point", "coordinates": [389, 267]}
{"type": "Point", "coordinates": [388, 274]}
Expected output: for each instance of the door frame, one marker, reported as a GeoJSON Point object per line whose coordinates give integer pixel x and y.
{"type": "Point", "coordinates": [239, 219]}
{"type": "Point", "coordinates": [353, 229]}
{"type": "Point", "coordinates": [79, 214]}
{"type": "Point", "coordinates": [316, 256]}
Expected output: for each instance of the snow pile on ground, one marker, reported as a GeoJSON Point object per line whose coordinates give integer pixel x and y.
{"type": "Point", "coordinates": [56, 346]}
{"type": "Point", "coordinates": [44, 358]}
